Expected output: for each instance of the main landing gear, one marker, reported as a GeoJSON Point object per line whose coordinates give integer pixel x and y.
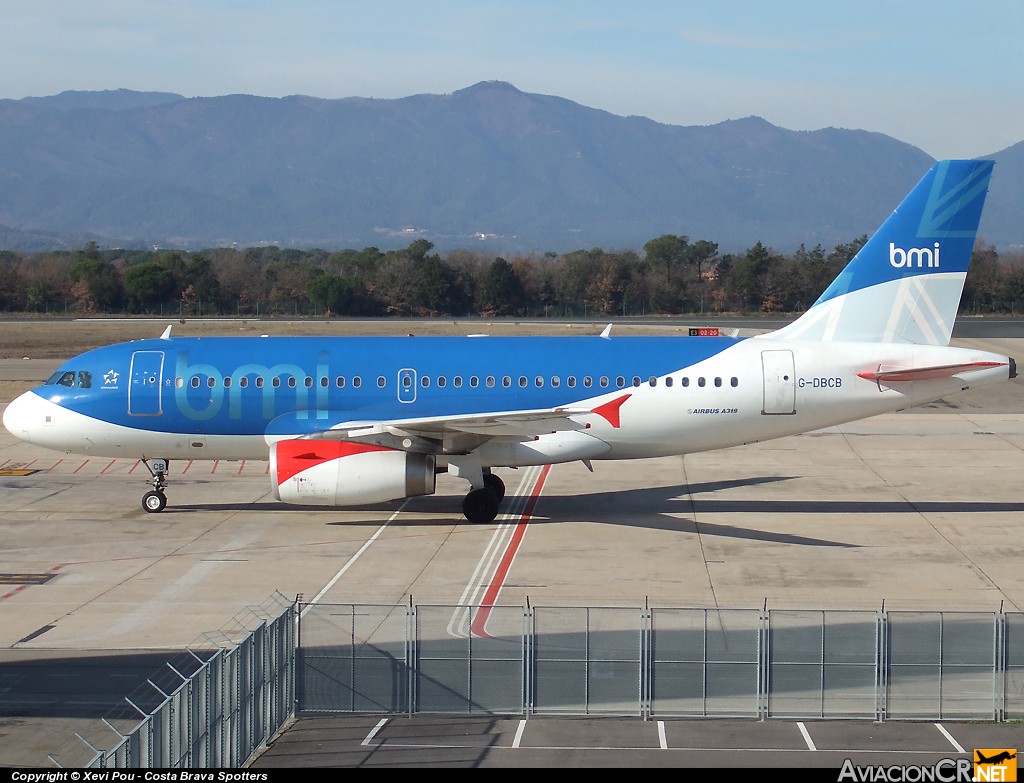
{"type": "Point", "coordinates": [155, 500]}
{"type": "Point", "coordinates": [481, 504]}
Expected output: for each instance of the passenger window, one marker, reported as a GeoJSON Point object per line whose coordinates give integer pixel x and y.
{"type": "Point", "coordinates": [357, 382]}
{"type": "Point", "coordinates": [588, 381]}
{"type": "Point", "coordinates": [620, 381]}
{"type": "Point", "coordinates": [211, 381]}
{"type": "Point", "coordinates": [441, 381]}
{"type": "Point", "coordinates": [734, 382]}
{"type": "Point", "coordinates": [700, 381]}
{"type": "Point", "coordinates": [457, 381]}
{"type": "Point", "coordinates": [506, 381]}
{"type": "Point", "coordinates": [195, 382]}
{"type": "Point", "coordinates": [718, 381]}
{"type": "Point", "coordinates": [653, 381]}
{"type": "Point", "coordinates": [227, 381]}
{"type": "Point", "coordinates": [243, 381]}
{"type": "Point", "coordinates": [276, 382]}
{"type": "Point", "coordinates": [179, 382]}
{"type": "Point", "coordinates": [539, 381]}
{"type": "Point", "coordinates": [474, 381]}
{"type": "Point", "coordinates": [259, 381]}
{"type": "Point", "coordinates": [84, 380]}
{"type": "Point", "coordinates": [406, 382]}
{"type": "Point", "coordinates": [309, 382]}
{"type": "Point", "coordinates": [555, 381]}
{"type": "Point", "coordinates": [668, 381]}
{"type": "Point", "coordinates": [636, 380]}
{"type": "Point", "coordinates": [340, 381]}
{"type": "Point", "coordinates": [686, 381]}
{"type": "Point", "coordinates": [490, 381]}
{"type": "Point", "coordinates": [292, 382]}
{"type": "Point", "coordinates": [425, 381]}
{"type": "Point", "coordinates": [604, 381]}
{"type": "Point", "coordinates": [571, 381]}
{"type": "Point", "coordinates": [324, 382]}
{"type": "Point", "coordinates": [382, 382]}
{"type": "Point", "coordinates": [522, 381]}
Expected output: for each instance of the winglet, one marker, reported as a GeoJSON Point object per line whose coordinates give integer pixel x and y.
{"type": "Point", "coordinates": [607, 333]}
{"type": "Point", "coordinates": [167, 333]}
{"type": "Point", "coordinates": [610, 410]}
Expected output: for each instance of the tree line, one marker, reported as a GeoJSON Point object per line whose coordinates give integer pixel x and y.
{"type": "Point", "coordinates": [673, 275]}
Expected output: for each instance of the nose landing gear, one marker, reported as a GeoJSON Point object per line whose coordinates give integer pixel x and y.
{"type": "Point", "coordinates": [155, 500]}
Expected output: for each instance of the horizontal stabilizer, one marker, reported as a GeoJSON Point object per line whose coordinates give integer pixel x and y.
{"type": "Point", "coordinates": [923, 373]}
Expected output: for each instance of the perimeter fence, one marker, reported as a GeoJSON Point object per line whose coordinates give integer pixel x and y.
{"type": "Point", "coordinates": [226, 697]}
{"type": "Point", "coordinates": [661, 662]}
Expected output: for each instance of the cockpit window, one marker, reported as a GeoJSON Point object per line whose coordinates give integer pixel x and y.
{"type": "Point", "coordinates": [63, 379]}
{"type": "Point", "coordinates": [84, 379]}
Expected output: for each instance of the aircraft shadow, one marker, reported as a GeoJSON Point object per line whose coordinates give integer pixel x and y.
{"type": "Point", "coordinates": [680, 508]}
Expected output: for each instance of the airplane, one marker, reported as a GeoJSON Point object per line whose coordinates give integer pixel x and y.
{"type": "Point", "coordinates": [996, 759]}
{"type": "Point", "coordinates": [349, 421]}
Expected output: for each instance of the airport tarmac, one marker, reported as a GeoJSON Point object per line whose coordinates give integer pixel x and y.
{"type": "Point", "coordinates": [919, 510]}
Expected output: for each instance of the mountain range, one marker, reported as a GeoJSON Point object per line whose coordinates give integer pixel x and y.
{"type": "Point", "coordinates": [488, 167]}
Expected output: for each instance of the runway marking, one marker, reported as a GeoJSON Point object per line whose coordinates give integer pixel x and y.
{"type": "Point", "coordinates": [459, 625]}
{"type": "Point", "coordinates": [373, 732]}
{"type": "Point", "coordinates": [84, 463]}
{"type": "Point", "coordinates": [806, 736]}
{"type": "Point", "coordinates": [356, 556]}
{"type": "Point", "coordinates": [108, 467]}
{"type": "Point", "coordinates": [132, 468]}
{"type": "Point", "coordinates": [55, 464]}
{"type": "Point", "coordinates": [53, 572]}
{"type": "Point", "coordinates": [956, 745]}
{"type": "Point", "coordinates": [479, 624]}
{"type": "Point", "coordinates": [662, 739]}
{"type": "Point", "coordinates": [519, 734]}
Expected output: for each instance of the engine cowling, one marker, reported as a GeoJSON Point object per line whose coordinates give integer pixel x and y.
{"type": "Point", "coordinates": [336, 473]}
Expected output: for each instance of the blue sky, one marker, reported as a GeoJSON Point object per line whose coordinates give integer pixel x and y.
{"type": "Point", "coordinates": [947, 77]}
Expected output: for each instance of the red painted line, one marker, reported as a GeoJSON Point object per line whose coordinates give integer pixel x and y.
{"type": "Point", "coordinates": [478, 626]}
{"type": "Point", "coordinates": [20, 588]}
{"type": "Point", "coordinates": [29, 464]}
{"type": "Point", "coordinates": [55, 464]}
{"type": "Point", "coordinates": [108, 467]}
{"type": "Point", "coordinates": [189, 465]}
{"type": "Point", "coordinates": [213, 470]}
{"type": "Point", "coordinates": [4, 462]}
{"type": "Point", "coordinates": [241, 467]}
{"type": "Point", "coordinates": [86, 462]}
{"type": "Point", "coordinates": [132, 468]}
{"type": "Point", "coordinates": [267, 471]}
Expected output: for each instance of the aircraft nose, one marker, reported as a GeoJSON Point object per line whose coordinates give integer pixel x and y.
{"type": "Point", "coordinates": [20, 415]}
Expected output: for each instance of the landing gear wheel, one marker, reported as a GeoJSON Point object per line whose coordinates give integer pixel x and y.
{"type": "Point", "coordinates": [480, 505]}
{"type": "Point", "coordinates": [495, 484]}
{"type": "Point", "coordinates": [154, 502]}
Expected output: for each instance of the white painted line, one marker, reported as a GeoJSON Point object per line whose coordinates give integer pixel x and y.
{"type": "Point", "coordinates": [807, 737]}
{"type": "Point", "coordinates": [519, 734]}
{"type": "Point", "coordinates": [662, 741]}
{"type": "Point", "coordinates": [356, 556]}
{"type": "Point", "coordinates": [947, 735]}
{"type": "Point", "coordinates": [373, 732]}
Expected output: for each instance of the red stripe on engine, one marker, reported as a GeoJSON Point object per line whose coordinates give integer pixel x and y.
{"type": "Point", "coordinates": [294, 456]}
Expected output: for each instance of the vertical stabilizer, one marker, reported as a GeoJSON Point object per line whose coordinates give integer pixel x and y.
{"type": "Point", "coordinates": [904, 285]}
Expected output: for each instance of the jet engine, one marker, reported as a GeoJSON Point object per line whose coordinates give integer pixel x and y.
{"type": "Point", "coordinates": [339, 473]}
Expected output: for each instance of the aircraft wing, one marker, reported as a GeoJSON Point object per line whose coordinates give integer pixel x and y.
{"type": "Point", "coordinates": [463, 432]}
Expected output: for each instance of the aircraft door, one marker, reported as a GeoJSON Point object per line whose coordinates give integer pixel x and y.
{"type": "Point", "coordinates": [406, 385]}
{"type": "Point", "coordinates": [779, 383]}
{"type": "Point", "coordinates": [145, 384]}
